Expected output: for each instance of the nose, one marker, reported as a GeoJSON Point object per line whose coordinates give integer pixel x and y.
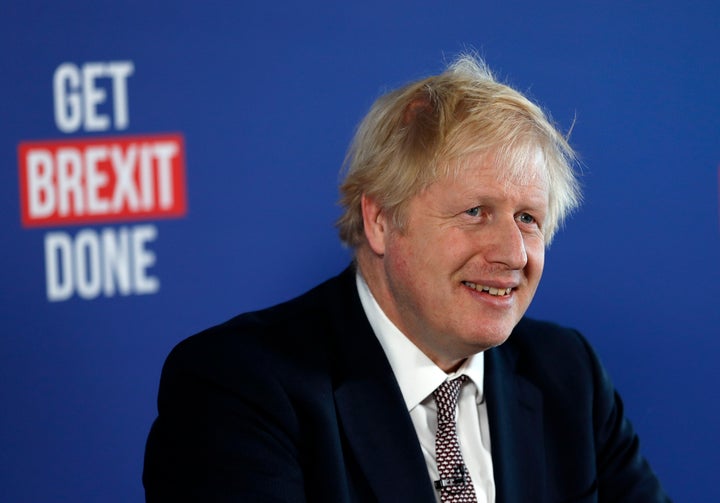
{"type": "Point", "coordinates": [507, 245]}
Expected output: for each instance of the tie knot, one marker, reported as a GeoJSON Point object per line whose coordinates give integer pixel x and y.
{"type": "Point", "coordinates": [446, 397]}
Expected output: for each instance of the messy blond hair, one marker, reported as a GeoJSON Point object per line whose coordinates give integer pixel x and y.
{"type": "Point", "coordinates": [421, 132]}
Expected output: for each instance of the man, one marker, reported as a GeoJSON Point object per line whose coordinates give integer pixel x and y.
{"type": "Point", "coordinates": [413, 375]}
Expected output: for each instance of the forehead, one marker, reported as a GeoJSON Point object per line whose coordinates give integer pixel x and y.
{"type": "Point", "coordinates": [480, 181]}
{"type": "Point", "coordinates": [510, 168]}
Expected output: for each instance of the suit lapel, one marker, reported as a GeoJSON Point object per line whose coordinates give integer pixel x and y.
{"type": "Point", "coordinates": [383, 442]}
{"type": "Point", "coordinates": [516, 429]}
{"type": "Point", "coordinates": [371, 409]}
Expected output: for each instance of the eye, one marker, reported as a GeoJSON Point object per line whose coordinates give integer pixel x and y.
{"type": "Point", "coordinates": [527, 218]}
{"type": "Point", "coordinates": [473, 212]}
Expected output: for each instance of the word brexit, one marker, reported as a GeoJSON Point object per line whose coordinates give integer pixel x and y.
{"type": "Point", "coordinates": [68, 182]}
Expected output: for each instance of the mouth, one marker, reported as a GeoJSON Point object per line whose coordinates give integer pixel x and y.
{"type": "Point", "coordinates": [497, 292]}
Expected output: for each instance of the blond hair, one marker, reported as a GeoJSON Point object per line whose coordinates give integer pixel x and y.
{"type": "Point", "coordinates": [419, 133]}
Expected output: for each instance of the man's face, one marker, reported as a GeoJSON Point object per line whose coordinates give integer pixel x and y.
{"type": "Point", "coordinates": [462, 273]}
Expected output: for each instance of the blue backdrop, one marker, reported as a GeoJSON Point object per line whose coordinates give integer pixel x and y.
{"type": "Point", "coordinates": [266, 96]}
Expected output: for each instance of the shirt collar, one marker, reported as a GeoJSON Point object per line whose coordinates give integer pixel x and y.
{"type": "Point", "coordinates": [416, 374]}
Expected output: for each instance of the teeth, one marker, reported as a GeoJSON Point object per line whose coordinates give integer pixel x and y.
{"type": "Point", "coordinates": [498, 292]}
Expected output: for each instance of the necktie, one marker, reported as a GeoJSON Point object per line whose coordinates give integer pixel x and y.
{"type": "Point", "coordinates": [454, 484]}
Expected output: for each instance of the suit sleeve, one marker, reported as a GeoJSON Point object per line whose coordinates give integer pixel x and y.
{"type": "Point", "coordinates": [224, 432]}
{"type": "Point", "coordinates": [624, 475]}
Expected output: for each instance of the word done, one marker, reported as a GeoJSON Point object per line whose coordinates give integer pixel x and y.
{"type": "Point", "coordinates": [108, 263]}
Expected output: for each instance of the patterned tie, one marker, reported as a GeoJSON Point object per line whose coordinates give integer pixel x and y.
{"type": "Point", "coordinates": [454, 484]}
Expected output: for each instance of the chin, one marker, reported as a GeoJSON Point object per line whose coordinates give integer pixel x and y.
{"type": "Point", "coordinates": [487, 341]}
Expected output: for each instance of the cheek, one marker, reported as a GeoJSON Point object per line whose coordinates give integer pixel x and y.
{"type": "Point", "coordinates": [399, 261]}
{"type": "Point", "coordinates": [411, 267]}
{"type": "Point", "coordinates": [427, 260]}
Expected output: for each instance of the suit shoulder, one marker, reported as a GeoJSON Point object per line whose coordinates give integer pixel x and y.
{"type": "Point", "coordinates": [545, 336]}
{"type": "Point", "coordinates": [550, 351]}
{"type": "Point", "coordinates": [295, 327]}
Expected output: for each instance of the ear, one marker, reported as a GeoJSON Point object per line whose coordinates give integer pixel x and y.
{"type": "Point", "coordinates": [375, 224]}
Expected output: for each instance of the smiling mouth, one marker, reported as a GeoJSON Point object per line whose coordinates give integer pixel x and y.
{"type": "Point", "coordinates": [497, 292]}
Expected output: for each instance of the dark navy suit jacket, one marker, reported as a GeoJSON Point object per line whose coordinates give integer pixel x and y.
{"type": "Point", "coordinates": [298, 403]}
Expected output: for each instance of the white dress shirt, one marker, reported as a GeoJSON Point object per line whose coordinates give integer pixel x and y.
{"type": "Point", "coordinates": [418, 377]}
